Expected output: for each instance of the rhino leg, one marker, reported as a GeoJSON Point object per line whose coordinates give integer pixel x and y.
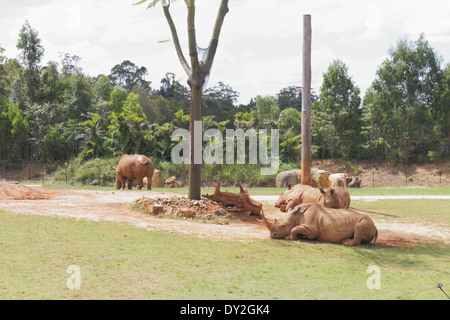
{"type": "Point", "coordinates": [140, 183]}
{"type": "Point", "coordinates": [291, 204]}
{"type": "Point", "coordinates": [120, 182]}
{"type": "Point", "coordinates": [304, 230]}
{"type": "Point", "coordinates": [365, 232]}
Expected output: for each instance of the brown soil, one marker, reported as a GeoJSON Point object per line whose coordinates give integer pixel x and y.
{"type": "Point", "coordinates": [382, 174]}
{"type": "Point", "coordinates": [15, 191]}
{"type": "Point", "coordinates": [115, 206]}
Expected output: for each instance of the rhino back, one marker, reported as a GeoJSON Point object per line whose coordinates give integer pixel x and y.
{"type": "Point", "coordinates": [333, 225]}
{"type": "Point", "coordinates": [312, 195]}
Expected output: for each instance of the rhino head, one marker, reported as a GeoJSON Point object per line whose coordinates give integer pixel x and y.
{"type": "Point", "coordinates": [328, 198]}
{"type": "Point", "coordinates": [282, 228]}
{"type": "Point", "coordinates": [284, 199]}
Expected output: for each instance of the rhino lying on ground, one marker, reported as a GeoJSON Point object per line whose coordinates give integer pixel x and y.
{"type": "Point", "coordinates": [314, 221]}
{"type": "Point", "coordinates": [294, 195]}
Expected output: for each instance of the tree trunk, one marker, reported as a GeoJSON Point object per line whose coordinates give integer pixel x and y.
{"type": "Point", "coordinates": [241, 201]}
{"type": "Point", "coordinates": [197, 72]}
{"type": "Point", "coordinates": [195, 168]}
{"type": "Point", "coordinates": [306, 102]}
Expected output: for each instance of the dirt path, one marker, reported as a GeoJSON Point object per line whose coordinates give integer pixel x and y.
{"type": "Point", "coordinates": [114, 206]}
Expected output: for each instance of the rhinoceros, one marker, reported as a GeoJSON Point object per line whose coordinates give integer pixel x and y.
{"type": "Point", "coordinates": [314, 221]}
{"type": "Point", "coordinates": [337, 198]}
{"type": "Point", "coordinates": [294, 195]}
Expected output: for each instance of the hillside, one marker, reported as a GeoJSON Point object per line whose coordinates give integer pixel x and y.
{"type": "Point", "coordinates": [371, 173]}
{"type": "Point", "coordinates": [383, 174]}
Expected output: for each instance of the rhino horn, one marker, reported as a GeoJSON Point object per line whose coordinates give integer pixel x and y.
{"type": "Point", "coordinates": [266, 222]}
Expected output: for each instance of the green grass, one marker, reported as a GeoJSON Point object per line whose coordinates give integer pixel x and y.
{"type": "Point", "coordinates": [121, 262]}
{"type": "Point", "coordinates": [423, 211]}
{"type": "Point", "coordinates": [400, 191]}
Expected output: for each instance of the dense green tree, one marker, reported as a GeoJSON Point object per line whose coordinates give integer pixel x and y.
{"type": "Point", "coordinates": [244, 120]}
{"type": "Point", "coordinates": [78, 96]}
{"type": "Point", "coordinates": [405, 103]}
{"type": "Point", "coordinates": [219, 101]}
{"type": "Point", "coordinates": [127, 128]}
{"type": "Point", "coordinates": [103, 88]}
{"type": "Point", "coordinates": [69, 63]}
{"type": "Point", "coordinates": [117, 99]}
{"type": "Point", "coordinates": [290, 125]}
{"type": "Point", "coordinates": [31, 53]}
{"type": "Point", "coordinates": [3, 79]}
{"type": "Point", "coordinates": [267, 112]}
{"type": "Point", "coordinates": [336, 116]}
{"type": "Point", "coordinates": [48, 92]}
{"type": "Point", "coordinates": [13, 130]}
{"type": "Point", "coordinates": [290, 97]}
{"type": "Point", "coordinates": [173, 89]}
{"type": "Point", "coordinates": [442, 113]}
{"type": "Point", "coordinates": [127, 75]}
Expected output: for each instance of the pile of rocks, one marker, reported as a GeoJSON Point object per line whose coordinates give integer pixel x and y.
{"type": "Point", "coordinates": [179, 206]}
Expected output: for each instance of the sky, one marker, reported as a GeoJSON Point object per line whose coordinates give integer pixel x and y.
{"type": "Point", "coordinates": [260, 47]}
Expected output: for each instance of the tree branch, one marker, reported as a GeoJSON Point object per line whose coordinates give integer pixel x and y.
{"type": "Point", "coordinates": [176, 40]}
{"type": "Point", "coordinates": [223, 10]}
{"type": "Point", "coordinates": [191, 35]}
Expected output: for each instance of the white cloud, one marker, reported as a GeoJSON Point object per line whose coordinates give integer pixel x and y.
{"type": "Point", "coordinates": [260, 46]}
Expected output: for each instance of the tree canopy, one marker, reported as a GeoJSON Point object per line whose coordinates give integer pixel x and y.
{"type": "Point", "coordinates": [55, 111]}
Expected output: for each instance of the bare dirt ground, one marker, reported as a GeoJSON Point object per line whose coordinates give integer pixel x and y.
{"type": "Point", "coordinates": [382, 174]}
{"type": "Point", "coordinates": [114, 206]}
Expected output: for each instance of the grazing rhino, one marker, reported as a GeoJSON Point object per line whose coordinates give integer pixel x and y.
{"type": "Point", "coordinates": [295, 195]}
{"type": "Point", "coordinates": [133, 167]}
{"type": "Point", "coordinates": [314, 221]}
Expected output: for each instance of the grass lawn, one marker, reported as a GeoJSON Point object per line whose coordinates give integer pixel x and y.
{"type": "Point", "coordinates": [422, 211]}
{"type": "Point", "coordinates": [120, 262]}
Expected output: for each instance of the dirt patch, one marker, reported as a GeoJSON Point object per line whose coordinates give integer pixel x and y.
{"type": "Point", "coordinates": [15, 191]}
{"type": "Point", "coordinates": [382, 174]}
{"type": "Point", "coordinates": [115, 206]}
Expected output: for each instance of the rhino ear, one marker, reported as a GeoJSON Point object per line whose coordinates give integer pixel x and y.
{"type": "Point", "coordinates": [322, 191]}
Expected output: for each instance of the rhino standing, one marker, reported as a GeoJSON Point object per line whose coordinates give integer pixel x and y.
{"type": "Point", "coordinates": [314, 221]}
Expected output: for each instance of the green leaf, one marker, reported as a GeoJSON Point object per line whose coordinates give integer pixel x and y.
{"type": "Point", "coordinates": [151, 5]}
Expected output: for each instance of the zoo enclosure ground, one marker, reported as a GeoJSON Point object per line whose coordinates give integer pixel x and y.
{"type": "Point", "coordinates": [48, 230]}
{"type": "Point", "coordinates": [115, 206]}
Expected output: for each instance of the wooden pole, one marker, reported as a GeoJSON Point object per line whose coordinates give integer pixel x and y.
{"type": "Point", "coordinates": [306, 102]}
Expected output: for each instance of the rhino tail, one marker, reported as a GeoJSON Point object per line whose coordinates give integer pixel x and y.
{"type": "Point", "coordinates": [376, 236]}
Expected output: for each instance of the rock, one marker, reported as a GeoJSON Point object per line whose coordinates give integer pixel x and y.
{"type": "Point", "coordinates": [155, 209]}
{"type": "Point", "coordinates": [157, 180]}
{"type": "Point", "coordinates": [220, 212]}
{"type": "Point", "coordinates": [187, 212]}
{"type": "Point", "coordinates": [171, 180]}
{"type": "Point", "coordinates": [176, 184]}
{"type": "Point", "coordinates": [286, 177]}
